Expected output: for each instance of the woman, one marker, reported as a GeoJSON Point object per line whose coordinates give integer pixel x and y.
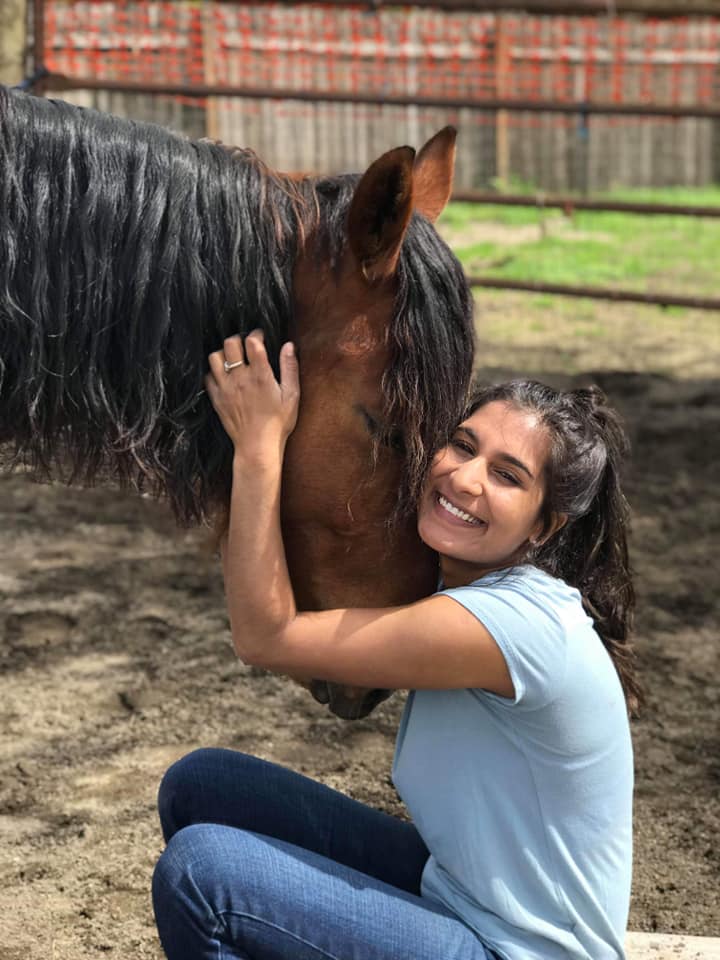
{"type": "Point", "coordinates": [513, 756]}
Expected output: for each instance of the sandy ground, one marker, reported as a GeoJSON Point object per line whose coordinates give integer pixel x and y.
{"type": "Point", "coordinates": [115, 660]}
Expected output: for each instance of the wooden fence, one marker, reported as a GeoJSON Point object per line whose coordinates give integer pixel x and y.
{"type": "Point", "coordinates": [462, 56]}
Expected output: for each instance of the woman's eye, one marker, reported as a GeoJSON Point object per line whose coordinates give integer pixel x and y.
{"type": "Point", "coordinates": [461, 445]}
{"type": "Point", "coordinates": [509, 477]}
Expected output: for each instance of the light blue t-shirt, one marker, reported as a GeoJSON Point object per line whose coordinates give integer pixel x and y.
{"type": "Point", "coordinates": [526, 804]}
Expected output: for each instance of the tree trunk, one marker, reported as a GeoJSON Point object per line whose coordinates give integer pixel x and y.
{"type": "Point", "coordinates": [12, 41]}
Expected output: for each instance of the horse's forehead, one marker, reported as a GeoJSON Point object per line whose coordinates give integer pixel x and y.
{"type": "Point", "coordinates": [360, 337]}
{"type": "Point", "coordinates": [340, 314]}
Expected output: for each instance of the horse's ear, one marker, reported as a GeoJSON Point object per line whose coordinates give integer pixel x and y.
{"type": "Point", "coordinates": [380, 211]}
{"type": "Point", "coordinates": [433, 174]}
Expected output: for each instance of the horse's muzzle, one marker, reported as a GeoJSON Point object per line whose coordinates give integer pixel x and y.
{"type": "Point", "coordinates": [348, 703]}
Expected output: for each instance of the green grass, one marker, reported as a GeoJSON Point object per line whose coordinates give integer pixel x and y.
{"type": "Point", "coordinates": [460, 215]}
{"type": "Point", "coordinates": [693, 196]}
{"type": "Point", "coordinates": [677, 254]}
{"type": "Point", "coordinates": [553, 335]}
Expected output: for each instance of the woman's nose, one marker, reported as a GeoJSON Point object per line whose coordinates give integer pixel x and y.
{"type": "Point", "coordinates": [471, 477]}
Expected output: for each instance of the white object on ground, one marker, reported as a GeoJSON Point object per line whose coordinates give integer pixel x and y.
{"type": "Point", "coordinates": [664, 946]}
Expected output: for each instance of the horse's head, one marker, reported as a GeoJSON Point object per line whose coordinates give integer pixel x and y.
{"type": "Point", "coordinates": [384, 330]}
{"type": "Point", "coordinates": [128, 253]}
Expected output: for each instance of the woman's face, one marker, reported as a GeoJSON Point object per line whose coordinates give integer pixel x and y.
{"type": "Point", "coordinates": [482, 499]}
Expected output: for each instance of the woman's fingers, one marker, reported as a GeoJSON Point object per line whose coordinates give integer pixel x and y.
{"type": "Point", "coordinates": [232, 352]}
{"type": "Point", "coordinates": [256, 352]}
{"type": "Point", "coordinates": [252, 352]}
{"type": "Point", "coordinates": [216, 361]}
{"type": "Point", "coordinates": [289, 372]}
{"type": "Point", "coordinates": [255, 409]}
{"type": "Point", "coordinates": [233, 349]}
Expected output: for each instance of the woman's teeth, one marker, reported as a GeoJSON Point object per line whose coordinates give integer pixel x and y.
{"type": "Point", "coordinates": [456, 511]}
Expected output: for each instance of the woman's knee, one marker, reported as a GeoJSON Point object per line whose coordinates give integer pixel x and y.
{"type": "Point", "coordinates": [184, 886]}
{"type": "Point", "coordinates": [209, 785]}
{"type": "Point", "coordinates": [206, 868]}
{"type": "Point", "coordinates": [179, 789]}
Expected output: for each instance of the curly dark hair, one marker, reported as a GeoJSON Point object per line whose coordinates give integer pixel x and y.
{"type": "Point", "coordinates": [582, 481]}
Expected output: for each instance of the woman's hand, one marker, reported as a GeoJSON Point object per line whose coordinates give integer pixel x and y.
{"type": "Point", "coordinates": [257, 412]}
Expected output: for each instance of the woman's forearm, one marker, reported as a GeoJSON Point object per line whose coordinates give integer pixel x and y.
{"type": "Point", "coordinates": [257, 585]}
{"type": "Point", "coordinates": [258, 413]}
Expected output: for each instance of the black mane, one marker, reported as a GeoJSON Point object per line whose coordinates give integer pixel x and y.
{"type": "Point", "coordinates": [128, 253]}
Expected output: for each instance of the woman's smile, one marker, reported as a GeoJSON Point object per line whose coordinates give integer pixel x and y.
{"type": "Point", "coordinates": [452, 513]}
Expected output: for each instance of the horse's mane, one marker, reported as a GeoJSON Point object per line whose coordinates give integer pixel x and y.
{"type": "Point", "coordinates": [127, 254]}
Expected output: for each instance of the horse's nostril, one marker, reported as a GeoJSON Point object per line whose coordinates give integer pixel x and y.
{"type": "Point", "coordinates": [372, 700]}
{"type": "Point", "coordinates": [346, 709]}
{"type": "Point", "coordinates": [354, 706]}
{"type": "Point", "coordinates": [381, 695]}
{"type": "Point", "coordinates": [319, 690]}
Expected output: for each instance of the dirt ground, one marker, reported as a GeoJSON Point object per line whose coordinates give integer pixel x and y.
{"type": "Point", "coordinates": [115, 660]}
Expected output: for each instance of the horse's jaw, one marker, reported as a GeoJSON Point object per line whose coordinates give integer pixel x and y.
{"type": "Point", "coordinates": [370, 567]}
{"type": "Point", "coordinates": [347, 703]}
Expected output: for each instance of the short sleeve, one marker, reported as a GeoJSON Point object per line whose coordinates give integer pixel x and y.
{"type": "Point", "coordinates": [521, 612]}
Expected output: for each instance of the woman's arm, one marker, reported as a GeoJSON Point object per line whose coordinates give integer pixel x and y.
{"type": "Point", "coordinates": [259, 414]}
{"type": "Point", "coordinates": [435, 643]}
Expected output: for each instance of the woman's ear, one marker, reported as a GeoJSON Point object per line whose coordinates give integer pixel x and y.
{"type": "Point", "coordinates": [557, 522]}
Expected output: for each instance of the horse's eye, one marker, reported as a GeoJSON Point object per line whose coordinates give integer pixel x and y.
{"type": "Point", "coordinates": [395, 440]}
{"type": "Point", "coordinates": [387, 436]}
{"type": "Point", "coordinates": [372, 424]}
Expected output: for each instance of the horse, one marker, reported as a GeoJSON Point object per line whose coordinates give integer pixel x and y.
{"type": "Point", "coordinates": [128, 253]}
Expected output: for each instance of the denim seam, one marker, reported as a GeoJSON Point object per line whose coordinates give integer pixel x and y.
{"type": "Point", "coordinates": [214, 936]}
{"type": "Point", "coordinates": [267, 923]}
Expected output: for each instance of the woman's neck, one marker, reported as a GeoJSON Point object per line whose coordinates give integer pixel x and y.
{"type": "Point", "coordinates": [460, 573]}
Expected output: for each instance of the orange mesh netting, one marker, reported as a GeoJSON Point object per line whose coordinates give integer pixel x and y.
{"type": "Point", "coordinates": [384, 53]}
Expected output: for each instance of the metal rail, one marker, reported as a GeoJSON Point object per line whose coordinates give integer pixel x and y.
{"type": "Point", "coordinates": [60, 82]}
{"type": "Point", "coordinates": [646, 8]}
{"type": "Point", "coordinates": [568, 204]}
{"type": "Point", "coordinates": [598, 293]}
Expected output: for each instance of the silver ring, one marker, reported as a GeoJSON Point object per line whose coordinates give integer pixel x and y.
{"type": "Point", "coordinates": [227, 366]}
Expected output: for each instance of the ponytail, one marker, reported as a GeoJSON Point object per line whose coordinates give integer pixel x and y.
{"type": "Point", "coordinates": [583, 482]}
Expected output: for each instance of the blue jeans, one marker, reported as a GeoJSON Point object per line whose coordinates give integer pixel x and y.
{"type": "Point", "coordinates": [264, 864]}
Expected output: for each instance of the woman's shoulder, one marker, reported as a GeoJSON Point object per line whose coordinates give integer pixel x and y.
{"type": "Point", "coordinates": [530, 607]}
{"type": "Point", "coordinates": [540, 625]}
{"type": "Point", "coordinates": [532, 618]}
{"type": "Point", "coordinates": [530, 581]}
